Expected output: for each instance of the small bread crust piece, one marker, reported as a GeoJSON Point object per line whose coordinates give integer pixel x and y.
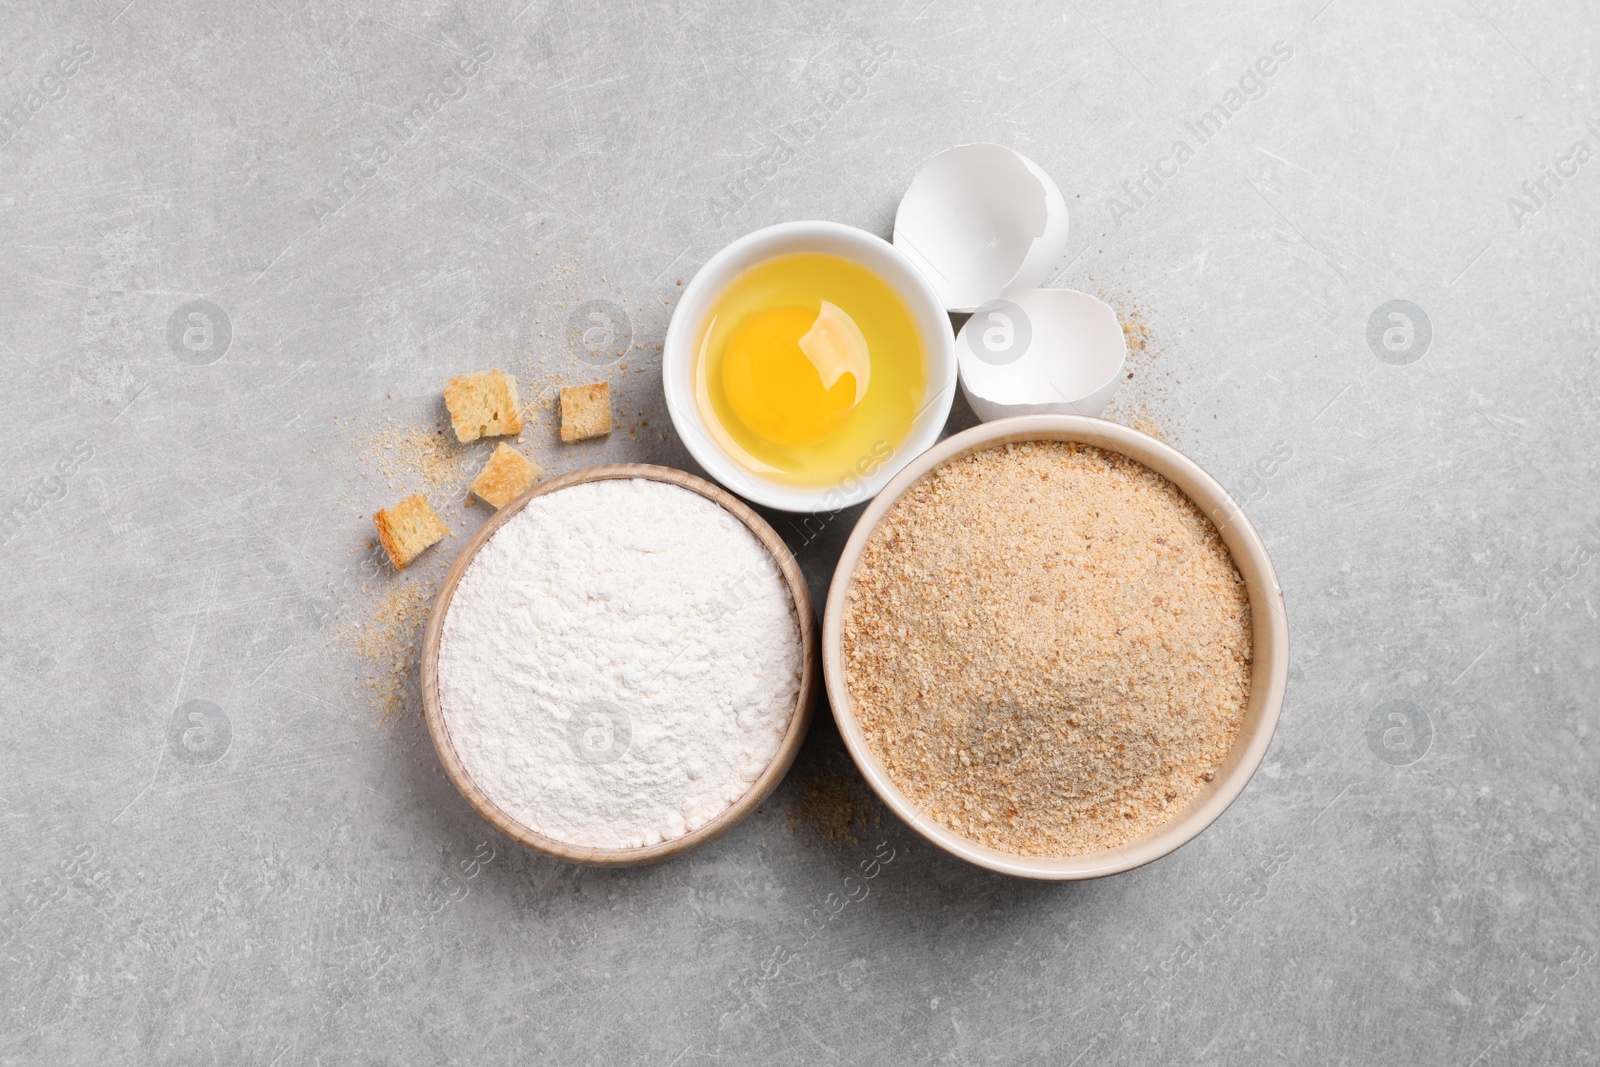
{"type": "Point", "coordinates": [505, 477]}
{"type": "Point", "coordinates": [585, 411]}
{"type": "Point", "coordinates": [408, 528]}
{"type": "Point", "coordinates": [483, 404]}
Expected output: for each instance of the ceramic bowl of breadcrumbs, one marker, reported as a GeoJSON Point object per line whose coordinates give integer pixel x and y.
{"type": "Point", "coordinates": [1056, 647]}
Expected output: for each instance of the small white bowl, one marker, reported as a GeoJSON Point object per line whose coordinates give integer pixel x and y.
{"type": "Point", "coordinates": [877, 255]}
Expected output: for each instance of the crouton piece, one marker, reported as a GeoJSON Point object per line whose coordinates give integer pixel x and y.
{"type": "Point", "coordinates": [585, 411]}
{"type": "Point", "coordinates": [483, 405]}
{"type": "Point", "coordinates": [504, 478]}
{"type": "Point", "coordinates": [408, 528]}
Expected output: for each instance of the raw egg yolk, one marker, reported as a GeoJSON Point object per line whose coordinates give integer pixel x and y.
{"type": "Point", "coordinates": [793, 375]}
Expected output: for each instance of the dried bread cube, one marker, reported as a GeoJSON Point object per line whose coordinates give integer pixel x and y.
{"type": "Point", "coordinates": [585, 411]}
{"type": "Point", "coordinates": [505, 476]}
{"type": "Point", "coordinates": [483, 404]}
{"type": "Point", "coordinates": [408, 528]}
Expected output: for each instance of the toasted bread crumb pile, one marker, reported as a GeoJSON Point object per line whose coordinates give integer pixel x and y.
{"type": "Point", "coordinates": [1048, 645]}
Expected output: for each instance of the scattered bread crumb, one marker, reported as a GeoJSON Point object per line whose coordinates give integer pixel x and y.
{"type": "Point", "coordinates": [505, 477]}
{"type": "Point", "coordinates": [1143, 397]}
{"type": "Point", "coordinates": [483, 404]}
{"type": "Point", "coordinates": [408, 528]}
{"type": "Point", "coordinates": [387, 641]}
{"type": "Point", "coordinates": [409, 455]}
{"type": "Point", "coordinates": [835, 807]}
{"type": "Point", "coordinates": [1141, 419]}
{"type": "Point", "coordinates": [585, 411]}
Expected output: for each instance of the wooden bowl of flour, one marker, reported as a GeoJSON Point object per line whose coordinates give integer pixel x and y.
{"type": "Point", "coordinates": [439, 724]}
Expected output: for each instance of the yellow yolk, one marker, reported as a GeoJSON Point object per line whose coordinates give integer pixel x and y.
{"type": "Point", "coordinates": [809, 370]}
{"type": "Point", "coordinates": [793, 375]}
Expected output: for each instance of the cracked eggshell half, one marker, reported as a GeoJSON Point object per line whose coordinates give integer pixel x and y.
{"type": "Point", "coordinates": [1044, 352]}
{"type": "Point", "coordinates": [982, 223]}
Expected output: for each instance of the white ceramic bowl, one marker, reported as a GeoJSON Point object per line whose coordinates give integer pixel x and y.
{"type": "Point", "coordinates": [877, 255]}
{"type": "Point", "coordinates": [1269, 634]}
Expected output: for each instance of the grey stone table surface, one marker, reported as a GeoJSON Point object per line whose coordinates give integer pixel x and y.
{"type": "Point", "coordinates": [244, 244]}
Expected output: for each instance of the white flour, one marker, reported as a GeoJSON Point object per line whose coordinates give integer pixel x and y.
{"type": "Point", "coordinates": [619, 663]}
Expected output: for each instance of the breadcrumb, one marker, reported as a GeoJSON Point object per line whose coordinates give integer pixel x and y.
{"type": "Point", "coordinates": [409, 528]}
{"type": "Point", "coordinates": [388, 641]}
{"type": "Point", "coordinates": [585, 411]}
{"type": "Point", "coordinates": [504, 478]}
{"type": "Point", "coordinates": [1048, 646]}
{"type": "Point", "coordinates": [483, 404]}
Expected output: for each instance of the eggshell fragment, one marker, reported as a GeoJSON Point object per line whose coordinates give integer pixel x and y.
{"type": "Point", "coordinates": [983, 223]}
{"type": "Point", "coordinates": [1043, 352]}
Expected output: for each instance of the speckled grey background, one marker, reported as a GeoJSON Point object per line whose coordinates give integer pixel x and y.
{"type": "Point", "coordinates": [217, 846]}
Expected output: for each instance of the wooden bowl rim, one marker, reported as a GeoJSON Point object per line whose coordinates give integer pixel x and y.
{"type": "Point", "coordinates": [1269, 633]}
{"type": "Point", "coordinates": [759, 790]}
